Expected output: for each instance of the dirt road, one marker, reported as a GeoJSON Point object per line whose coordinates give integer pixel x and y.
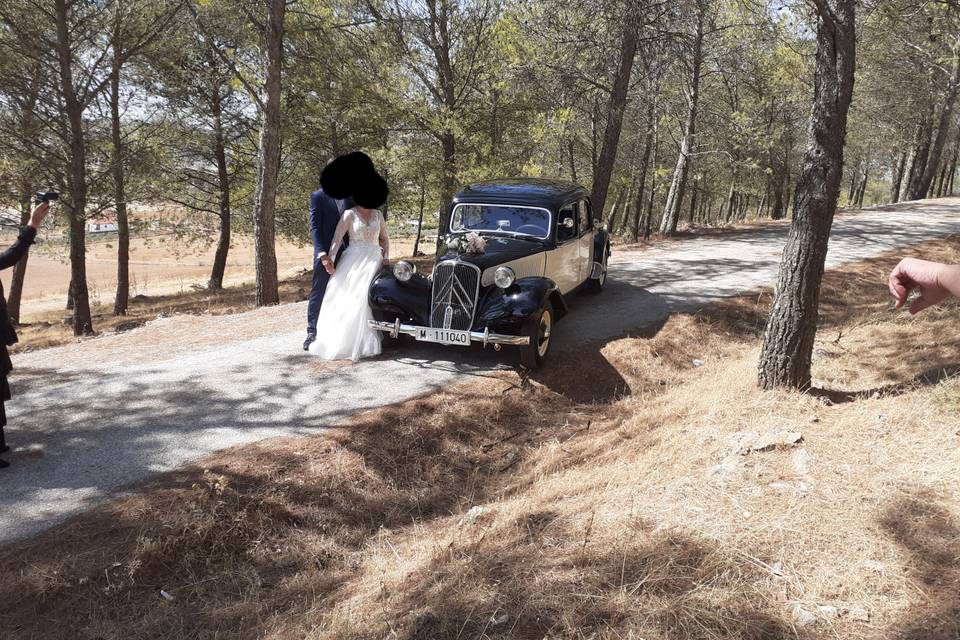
{"type": "Point", "coordinates": [91, 418]}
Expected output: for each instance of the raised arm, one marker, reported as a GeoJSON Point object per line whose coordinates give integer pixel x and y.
{"type": "Point", "coordinates": [27, 235]}
{"type": "Point", "coordinates": [384, 241]}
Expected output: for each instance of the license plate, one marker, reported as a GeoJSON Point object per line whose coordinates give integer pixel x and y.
{"type": "Point", "coordinates": [443, 336]}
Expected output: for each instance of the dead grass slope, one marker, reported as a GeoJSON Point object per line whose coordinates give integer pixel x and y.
{"type": "Point", "coordinates": [603, 499]}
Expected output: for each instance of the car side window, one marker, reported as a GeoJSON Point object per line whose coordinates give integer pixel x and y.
{"type": "Point", "coordinates": [585, 222]}
{"type": "Point", "coordinates": [567, 223]}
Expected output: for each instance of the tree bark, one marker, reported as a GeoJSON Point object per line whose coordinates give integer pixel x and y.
{"type": "Point", "coordinates": [20, 269]}
{"type": "Point", "coordinates": [921, 153]}
{"type": "Point", "coordinates": [423, 203]}
{"type": "Point", "coordinates": [653, 181]}
{"type": "Point", "coordinates": [77, 175]}
{"type": "Point", "coordinates": [922, 187]}
{"type": "Point", "coordinates": [787, 350]}
{"type": "Point", "coordinates": [223, 185]}
{"type": "Point", "coordinates": [615, 109]}
{"type": "Point", "coordinates": [644, 161]}
{"type": "Point", "coordinates": [119, 190]}
{"type": "Point", "coordinates": [898, 169]}
{"type": "Point", "coordinates": [268, 160]}
{"type": "Point", "coordinates": [671, 211]}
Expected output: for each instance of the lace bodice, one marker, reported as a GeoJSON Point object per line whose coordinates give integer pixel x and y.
{"type": "Point", "coordinates": [370, 233]}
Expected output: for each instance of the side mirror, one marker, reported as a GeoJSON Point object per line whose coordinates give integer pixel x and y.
{"type": "Point", "coordinates": [567, 223]}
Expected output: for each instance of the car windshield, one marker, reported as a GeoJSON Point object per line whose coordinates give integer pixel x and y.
{"type": "Point", "coordinates": [530, 221]}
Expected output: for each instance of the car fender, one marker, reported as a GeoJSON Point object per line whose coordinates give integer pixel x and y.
{"type": "Point", "coordinates": [601, 241]}
{"type": "Point", "coordinates": [410, 301]}
{"type": "Point", "coordinates": [511, 306]}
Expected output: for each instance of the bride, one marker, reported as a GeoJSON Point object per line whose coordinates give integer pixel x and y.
{"type": "Point", "coordinates": [343, 330]}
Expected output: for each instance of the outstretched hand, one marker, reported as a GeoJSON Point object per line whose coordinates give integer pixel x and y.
{"type": "Point", "coordinates": [38, 213]}
{"type": "Point", "coordinates": [935, 282]}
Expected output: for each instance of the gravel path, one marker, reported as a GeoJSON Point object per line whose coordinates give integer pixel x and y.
{"type": "Point", "coordinates": [90, 418]}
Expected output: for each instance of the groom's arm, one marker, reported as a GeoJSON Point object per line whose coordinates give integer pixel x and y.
{"type": "Point", "coordinates": [316, 216]}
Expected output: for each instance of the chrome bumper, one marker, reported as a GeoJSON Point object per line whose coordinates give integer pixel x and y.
{"type": "Point", "coordinates": [484, 337]}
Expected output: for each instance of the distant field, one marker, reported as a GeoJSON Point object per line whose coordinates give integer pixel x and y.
{"type": "Point", "coordinates": [158, 265]}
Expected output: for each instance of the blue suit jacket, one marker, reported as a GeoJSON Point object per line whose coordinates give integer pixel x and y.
{"type": "Point", "coordinates": [325, 214]}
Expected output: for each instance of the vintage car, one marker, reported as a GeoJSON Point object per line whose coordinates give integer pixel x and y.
{"type": "Point", "coordinates": [540, 243]}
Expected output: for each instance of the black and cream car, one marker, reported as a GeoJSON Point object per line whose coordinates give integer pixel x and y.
{"type": "Point", "coordinates": [541, 244]}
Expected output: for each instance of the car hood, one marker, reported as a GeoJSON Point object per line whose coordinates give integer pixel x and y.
{"type": "Point", "coordinates": [499, 249]}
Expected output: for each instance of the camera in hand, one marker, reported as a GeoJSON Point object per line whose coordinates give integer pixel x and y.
{"type": "Point", "coordinates": [45, 196]}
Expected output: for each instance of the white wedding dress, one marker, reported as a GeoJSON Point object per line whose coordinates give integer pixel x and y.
{"type": "Point", "coordinates": [343, 330]}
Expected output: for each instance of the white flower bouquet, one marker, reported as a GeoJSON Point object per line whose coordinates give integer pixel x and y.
{"type": "Point", "coordinates": [471, 243]}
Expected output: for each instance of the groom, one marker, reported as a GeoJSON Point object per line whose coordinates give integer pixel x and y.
{"type": "Point", "coordinates": [326, 208]}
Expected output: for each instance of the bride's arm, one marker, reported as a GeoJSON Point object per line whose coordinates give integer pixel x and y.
{"type": "Point", "coordinates": [384, 240]}
{"type": "Point", "coordinates": [342, 227]}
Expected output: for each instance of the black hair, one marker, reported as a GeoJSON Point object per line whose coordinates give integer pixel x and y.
{"type": "Point", "coordinates": [339, 178]}
{"type": "Point", "coordinates": [371, 191]}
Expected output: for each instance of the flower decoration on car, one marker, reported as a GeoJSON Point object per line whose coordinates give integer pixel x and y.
{"type": "Point", "coordinates": [471, 243]}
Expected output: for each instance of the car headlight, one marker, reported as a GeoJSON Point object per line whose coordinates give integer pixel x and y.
{"type": "Point", "coordinates": [404, 270]}
{"type": "Point", "coordinates": [503, 277]}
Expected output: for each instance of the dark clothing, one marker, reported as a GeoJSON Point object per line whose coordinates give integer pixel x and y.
{"type": "Point", "coordinates": [8, 335]}
{"type": "Point", "coordinates": [325, 214]}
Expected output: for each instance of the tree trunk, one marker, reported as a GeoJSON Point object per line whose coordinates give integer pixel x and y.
{"type": "Point", "coordinates": [573, 160]}
{"type": "Point", "coordinates": [615, 108]}
{"type": "Point", "coordinates": [922, 186]}
{"type": "Point", "coordinates": [27, 128]}
{"type": "Point", "coordinates": [671, 210]}
{"type": "Point", "coordinates": [268, 159]}
{"type": "Point", "coordinates": [119, 191]}
{"type": "Point", "coordinates": [612, 218]}
{"type": "Point", "coordinates": [863, 187]}
{"type": "Point", "coordinates": [953, 165]}
{"type": "Point", "coordinates": [223, 184]}
{"type": "Point", "coordinates": [898, 169]}
{"type": "Point", "coordinates": [693, 203]}
{"type": "Point", "coordinates": [77, 176]}
{"type": "Point", "coordinates": [731, 200]}
{"type": "Point", "coordinates": [20, 269]}
{"type": "Point", "coordinates": [423, 204]}
{"type": "Point", "coordinates": [788, 340]}
{"type": "Point", "coordinates": [653, 180]}
{"type": "Point", "coordinates": [921, 153]}
{"type": "Point", "coordinates": [644, 161]}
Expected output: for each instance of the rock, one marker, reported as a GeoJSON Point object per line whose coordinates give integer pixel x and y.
{"type": "Point", "coordinates": [777, 568]}
{"type": "Point", "coordinates": [722, 470]}
{"type": "Point", "coordinates": [777, 440]}
{"type": "Point", "coordinates": [169, 597]}
{"type": "Point", "coordinates": [813, 419]}
{"type": "Point", "coordinates": [697, 363]}
{"type": "Point", "coordinates": [875, 566]}
{"type": "Point", "coordinates": [744, 442]}
{"type": "Point", "coordinates": [800, 460]}
{"type": "Point", "coordinates": [803, 617]}
{"type": "Point", "coordinates": [858, 614]}
{"type": "Point", "coordinates": [473, 515]}
{"type": "Point", "coordinates": [498, 619]}
{"type": "Point", "coordinates": [827, 612]}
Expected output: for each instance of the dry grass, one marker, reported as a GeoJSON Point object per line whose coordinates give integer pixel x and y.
{"type": "Point", "coordinates": [609, 503]}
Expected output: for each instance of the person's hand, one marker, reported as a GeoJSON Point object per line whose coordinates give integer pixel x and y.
{"type": "Point", "coordinates": [327, 264]}
{"type": "Point", "coordinates": [38, 213]}
{"type": "Point", "coordinates": [934, 280]}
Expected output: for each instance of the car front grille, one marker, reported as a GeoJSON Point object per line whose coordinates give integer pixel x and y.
{"type": "Point", "coordinates": [455, 289]}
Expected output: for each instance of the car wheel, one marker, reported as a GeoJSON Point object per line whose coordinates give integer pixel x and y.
{"type": "Point", "coordinates": [539, 328]}
{"type": "Point", "coordinates": [595, 285]}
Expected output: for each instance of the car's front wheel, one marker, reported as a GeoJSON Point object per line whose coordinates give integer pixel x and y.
{"type": "Point", "coordinates": [538, 327]}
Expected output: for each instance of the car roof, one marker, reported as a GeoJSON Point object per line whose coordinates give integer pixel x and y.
{"type": "Point", "coordinates": [538, 192]}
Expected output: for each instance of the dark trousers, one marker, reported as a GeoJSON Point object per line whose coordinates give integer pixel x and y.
{"type": "Point", "coordinates": [320, 280]}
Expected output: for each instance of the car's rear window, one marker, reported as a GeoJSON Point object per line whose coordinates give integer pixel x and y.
{"type": "Point", "coordinates": [529, 221]}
